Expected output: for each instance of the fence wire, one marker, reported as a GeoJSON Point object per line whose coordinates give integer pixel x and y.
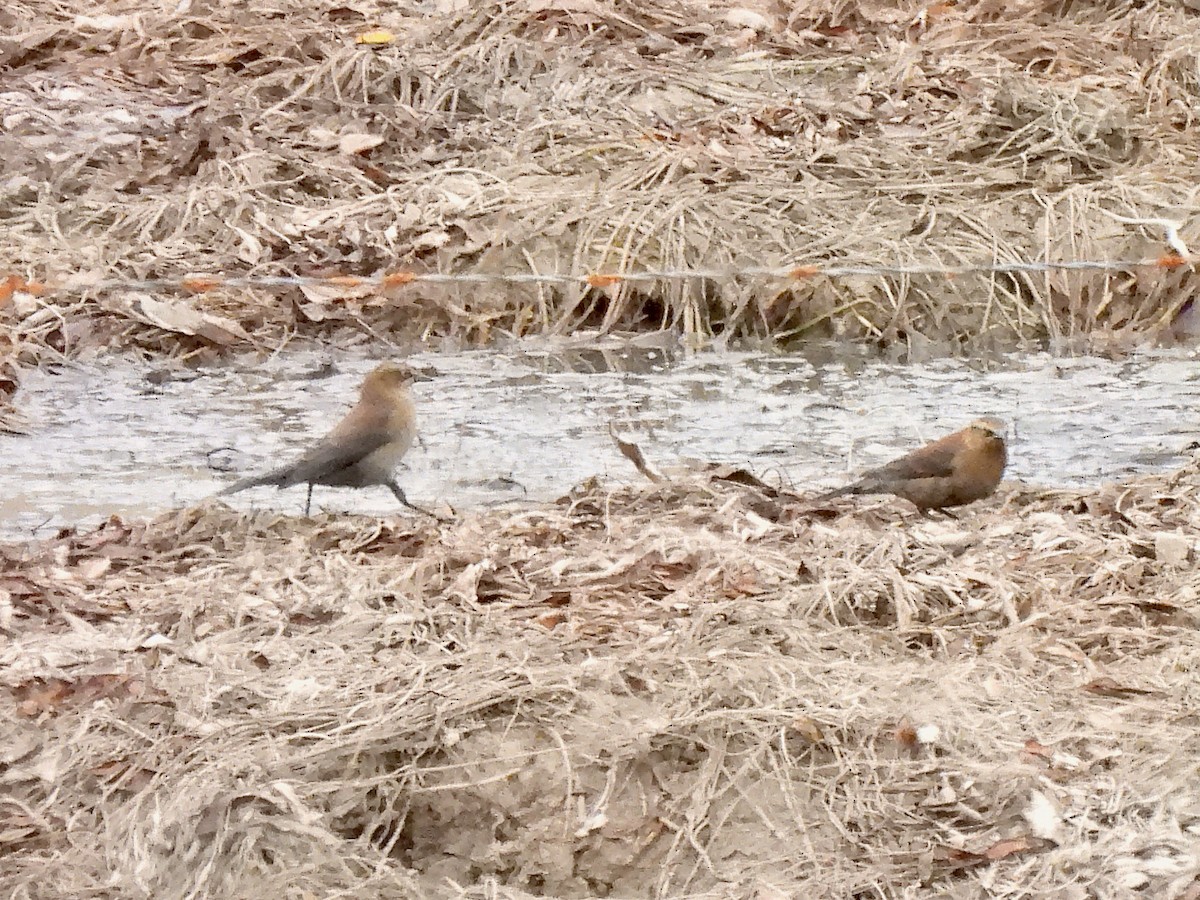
{"type": "Point", "coordinates": [201, 283]}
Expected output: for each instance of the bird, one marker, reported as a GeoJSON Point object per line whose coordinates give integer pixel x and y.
{"type": "Point", "coordinates": [364, 448]}
{"type": "Point", "coordinates": [957, 469]}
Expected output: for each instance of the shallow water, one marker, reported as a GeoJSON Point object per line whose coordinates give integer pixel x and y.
{"type": "Point", "coordinates": [498, 425]}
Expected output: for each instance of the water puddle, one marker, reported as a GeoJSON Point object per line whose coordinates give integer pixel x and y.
{"type": "Point", "coordinates": [133, 439]}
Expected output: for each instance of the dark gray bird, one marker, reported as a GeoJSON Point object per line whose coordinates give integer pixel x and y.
{"type": "Point", "coordinates": [364, 448]}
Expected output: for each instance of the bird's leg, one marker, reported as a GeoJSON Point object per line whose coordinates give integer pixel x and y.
{"type": "Point", "coordinates": [399, 492]}
{"type": "Point", "coordinates": [308, 500]}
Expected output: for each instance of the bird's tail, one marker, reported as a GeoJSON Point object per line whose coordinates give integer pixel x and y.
{"type": "Point", "coordinates": [839, 492]}
{"type": "Point", "coordinates": [272, 478]}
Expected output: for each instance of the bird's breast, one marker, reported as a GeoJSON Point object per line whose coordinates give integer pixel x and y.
{"type": "Point", "coordinates": [401, 425]}
{"type": "Point", "coordinates": [387, 457]}
{"type": "Point", "coordinates": [979, 471]}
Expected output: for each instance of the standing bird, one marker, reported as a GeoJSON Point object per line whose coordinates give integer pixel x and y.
{"type": "Point", "coordinates": [363, 449]}
{"type": "Point", "coordinates": [959, 468]}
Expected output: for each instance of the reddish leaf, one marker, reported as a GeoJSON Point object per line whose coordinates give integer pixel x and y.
{"type": "Point", "coordinates": [1009, 847]}
{"type": "Point", "coordinates": [960, 858]}
{"type": "Point", "coordinates": [1033, 748]}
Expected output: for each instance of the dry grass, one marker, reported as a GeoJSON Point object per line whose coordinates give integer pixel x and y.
{"type": "Point", "coordinates": [693, 689]}
{"type": "Point", "coordinates": [156, 140]}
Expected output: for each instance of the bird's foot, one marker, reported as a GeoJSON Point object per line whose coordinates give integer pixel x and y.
{"type": "Point", "coordinates": [399, 492]}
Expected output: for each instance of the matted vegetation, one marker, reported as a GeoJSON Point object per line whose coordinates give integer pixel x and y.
{"type": "Point", "coordinates": [692, 689]}
{"type": "Point", "coordinates": [576, 136]}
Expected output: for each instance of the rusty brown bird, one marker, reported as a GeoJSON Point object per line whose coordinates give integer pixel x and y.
{"type": "Point", "coordinates": [959, 468]}
{"type": "Point", "coordinates": [364, 448]}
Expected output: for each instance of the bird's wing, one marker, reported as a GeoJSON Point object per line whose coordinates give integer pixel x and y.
{"type": "Point", "coordinates": [324, 459]}
{"type": "Point", "coordinates": [331, 456]}
{"type": "Point", "coordinates": [933, 461]}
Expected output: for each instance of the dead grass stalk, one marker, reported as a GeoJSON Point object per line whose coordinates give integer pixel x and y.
{"type": "Point", "coordinates": [694, 689]}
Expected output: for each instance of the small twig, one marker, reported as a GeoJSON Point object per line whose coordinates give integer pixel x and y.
{"type": "Point", "coordinates": [633, 453]}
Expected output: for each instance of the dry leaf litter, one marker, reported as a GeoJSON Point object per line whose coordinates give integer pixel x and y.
{"type": "Point", "coordinates": [702, 687]}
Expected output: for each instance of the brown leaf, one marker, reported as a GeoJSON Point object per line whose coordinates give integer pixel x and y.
{"type": "Point", "coordinates": [133, 777]}
{"type": "Point", "coordinates": [93, 567]}
{"type": "Point", "coordinates": [957, 857]}
{"type": "Point", "coordinates": [808, 729]}
{"type": "Point", "coordinates": [741, 584]}
{"type": "Point", "coordinates": [122, 551]}
{"type": "Point", "coordinates": [1011, 846]}
{"type": "Point", "coordinates": [327, 298]}
{"type": "Point", "coordinates": [16, 586]}
{"type": "Point", "coordinates": [18, 830]}
{"type": "Point", "coordinates": [102, 687]}
{"type": "Point", "coordinates": [1107, 687]}
{"type": "Point", "coordinates": [355, 144]}
{"type": "Point", "coordinates": [40, 696]}
{"type": "Point", "coordinates": [181, 317]}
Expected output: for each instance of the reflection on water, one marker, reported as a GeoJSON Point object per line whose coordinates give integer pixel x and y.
{"type": "Point", "coordinates": [500, 425]}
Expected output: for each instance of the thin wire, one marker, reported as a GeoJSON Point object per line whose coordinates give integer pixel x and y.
{"type": "Point", "coordinates": [399, 278]}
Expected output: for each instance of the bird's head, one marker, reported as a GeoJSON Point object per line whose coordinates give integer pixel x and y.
{"type": "Point", "coordinates": [990, 426]}
{"type": "Point", "coordinates": [392, 376]}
